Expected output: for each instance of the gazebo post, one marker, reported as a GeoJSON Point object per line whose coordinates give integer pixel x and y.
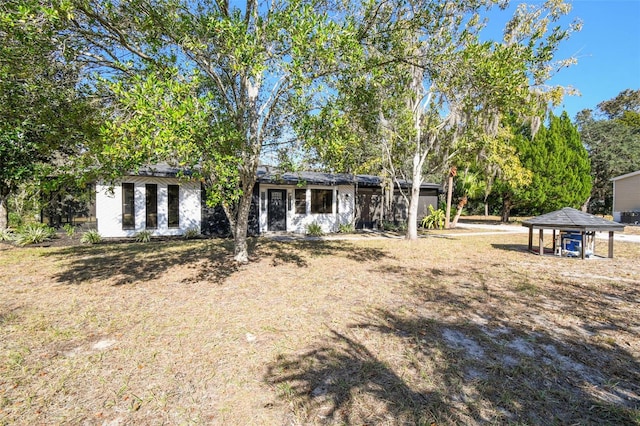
{"type": "Point", "coordinates": [575, 221]}
{"type": "Point", "coordinates": [541, 242]}
{"type": "Point", "coordinates": [610, 244]}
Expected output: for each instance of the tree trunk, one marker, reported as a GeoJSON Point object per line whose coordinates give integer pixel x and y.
{"type": "Point", "coordinates": [486, 205]}
{"type": "Point", "coordinates": [4, 212]}
{"type": "Point", "coordinates": [447, 213]}
{"type": "Point", "coordinates": [461, 204]}
{"type": "Point", "coordinates": [506, 209]}
{"type": "Point", "coordinates": [414, 199]}
{"type": "Point", "coordinates": [412, 219]}
{"type": "Point", "coordinates": [241, 220]}
{"type": "Point", "coordinates": [248, 173]}
{"type": "Point", "coordinates": [240, 249]}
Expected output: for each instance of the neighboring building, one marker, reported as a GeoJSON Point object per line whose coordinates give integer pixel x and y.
{"type": "Point", "coordinates": [626, 198]}
{"type": "Point", "coordinates": [157, 199]}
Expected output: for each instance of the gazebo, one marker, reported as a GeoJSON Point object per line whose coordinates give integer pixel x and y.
{"type": "Point", "coordinates": [573, 223]}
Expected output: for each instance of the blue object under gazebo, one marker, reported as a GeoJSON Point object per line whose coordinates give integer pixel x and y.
{"type": "Point", "coordinates": [575, 228]}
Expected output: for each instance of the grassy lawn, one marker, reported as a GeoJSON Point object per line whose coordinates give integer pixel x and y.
{"type": "Point", "coordinates": [445, 330]}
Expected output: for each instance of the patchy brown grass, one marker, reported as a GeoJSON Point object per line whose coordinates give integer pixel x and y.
{"type": "Point", "coordinates": [445, 330]}
{"type": "Point", "coordinates": [632, 230]}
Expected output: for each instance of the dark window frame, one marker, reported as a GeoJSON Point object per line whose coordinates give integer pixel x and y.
{"type": "Point", "coordinates": [128, 206]}
{"type": "Point", "coordinates": [151, 206]}
{"type": "Point", "coordinates": [321, 201]}
{"type": "Point", "coordinates": [301, 203]}
{"type": "Point", "coordinates": [173, 206]}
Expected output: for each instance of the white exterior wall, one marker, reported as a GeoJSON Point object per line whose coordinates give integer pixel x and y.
{"type": "Point", "coordinates": [347, 200]}
{"type": "Point", "coordinates": [297, 223]}
{"type": "Point", "coordinates": [109, 207]}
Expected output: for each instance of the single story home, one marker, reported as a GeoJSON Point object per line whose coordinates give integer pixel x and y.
{"type": "Point", "coordinates": [626, 198]}
{"type": "Point", "coordinates": [156, 199]}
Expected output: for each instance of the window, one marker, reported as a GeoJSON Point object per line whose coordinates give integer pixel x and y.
{"type": "Point", "coordinates": [174, 206]}
{"type": "Point", "coordinates": [301, 201]}
{"type": "Point", "coordinates": [128, 206]}
{"type": "Point", "coordinates": [321, 200]}
{"type": "Point", "coordinates": [151, 190]}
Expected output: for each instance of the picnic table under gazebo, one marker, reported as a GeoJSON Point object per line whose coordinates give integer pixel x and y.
{"type": "Point", "coordinates": [575, 229]}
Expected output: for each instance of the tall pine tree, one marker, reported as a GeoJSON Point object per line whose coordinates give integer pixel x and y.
{"type": "Point", "coordinates": [560, 166]}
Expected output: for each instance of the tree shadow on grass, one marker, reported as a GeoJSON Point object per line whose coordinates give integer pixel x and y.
{"type": "Point", "coordinates": [523, 248]}
{"type": "Point", "coordinates": [297, 252]}
{"type": "Point", "coordinates": [209, 260]}
{"type": "Point", "coordinates": [463, 349]}
{"type": "Point", "coordinates": [455, 373]}
{"type": "Point", "coordinates": [126, 263]}
{"type": "Point", "coordinates": [323, 383]}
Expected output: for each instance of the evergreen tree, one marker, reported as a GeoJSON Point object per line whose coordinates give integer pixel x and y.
{"type": "Point", "coordinates": [560, 166]}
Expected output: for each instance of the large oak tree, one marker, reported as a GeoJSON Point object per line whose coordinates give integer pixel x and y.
{"type": "Point", "coordinates": [207, 84]}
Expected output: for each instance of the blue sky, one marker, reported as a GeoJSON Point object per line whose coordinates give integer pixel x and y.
{"type": "Point", "coordinates": [608, 53]}
{"type": "Point", "coordinates": [607, 50]}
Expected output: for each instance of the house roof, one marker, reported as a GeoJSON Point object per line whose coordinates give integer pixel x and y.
{"type": "Point", "coordinates": [568, 218]}
{"type": "Point", "coordinates": [271, 175]}
{"type": "Point", "coordinates": [628, 175]}
{"type": "Point", "coordinates": [162, 170]}
{"type": "Point", "coordinates": [266, 174]}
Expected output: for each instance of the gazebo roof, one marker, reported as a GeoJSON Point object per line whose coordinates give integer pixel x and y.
{"type": "Point", "coordinates": [568, 218]}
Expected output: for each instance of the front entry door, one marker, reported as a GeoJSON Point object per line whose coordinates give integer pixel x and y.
{"type": "Point", "coordinates": [277, 211]}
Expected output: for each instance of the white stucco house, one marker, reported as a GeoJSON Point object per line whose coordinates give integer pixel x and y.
{"type": "Point", "coordinates": [158, 200]}
{"type": "Point", "coordinates": [290, 202]}
{"type": "Point", "coordinates": [154, 199]}
{"type": "Point", "coordinates": [626, 198]}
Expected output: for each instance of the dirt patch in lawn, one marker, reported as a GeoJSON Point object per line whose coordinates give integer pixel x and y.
{"type": "Point", "coordinates": [456, 330]}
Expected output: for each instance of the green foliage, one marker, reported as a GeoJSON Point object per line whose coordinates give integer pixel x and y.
{"type": "Point", "coordinates": [435, 219]}
{"type": "Point", "coordinates": [314, 230]}
{"type": "Point", "coordinates": [560, 166]}
{"type": "Point", "coordinates": [6, 235]}
{"type": "Point", "coordinates": [613, 143]}
{"type": "Point", "coordinates": [15, 220]}
{"type": "Point", "coordinates": [34, 233]}
{"type": "Point", "coordinates": [208, 84]}
{"type": "Point", "coordinates": [346, 228]}
{"type": "Point", "coordinates": [426, 87]}
{"type": "Point", "coordinates": [92, 236]}
{"type": "Point", "coordinates": [388, 225]}
{"type": "Point", "coordinates": [625, 104]}
{"type": "Point", "coordinates": [43, 114]}
{"type": "Point", "coordinates": [69, 229]}
{"type": "Point", "coordinates": [470, 185]}
{"type": "Point", "coordinates": [191, 233]}
{"type": "Point", "coordinates": [143, 236]}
